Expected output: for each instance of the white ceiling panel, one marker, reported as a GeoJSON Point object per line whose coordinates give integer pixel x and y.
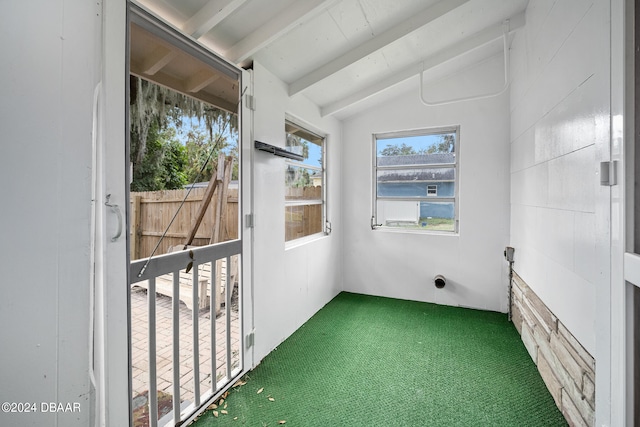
{"type": "Point", "coordinates": [351, 79]}
{"type": "Point", "coordinates": [336, 52]}
{"type": "Point", "coordinates": [168, 10]}
{"type": "Point", "coordinates": [406, 51]}
{"type": "Point", "coordinates": [383, 14]}
{"type": "Point", "coordinates": [409, 50]}
{"type": "Point", "coordinates": [247, 19]}
{"type": "Point", "coordinates": [351, 21]}
{"type": "Point", "coordinates": [304, 48]}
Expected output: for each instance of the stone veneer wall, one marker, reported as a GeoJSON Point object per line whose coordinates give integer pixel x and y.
{"type": "Point", "coordinates": [566, 367]}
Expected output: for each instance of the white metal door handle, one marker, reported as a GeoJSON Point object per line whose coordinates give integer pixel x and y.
{"type": "Point", "coordinates": [116, 210]}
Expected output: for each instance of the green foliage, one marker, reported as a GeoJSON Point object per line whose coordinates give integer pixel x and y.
{"type": "Point", "coordinates": [162, 167]}
{"type": "Point", "coordinates": [151, 103]}
{"type": "Point", "coordinates": [296, 141]}
{"type": "Point", "coordinates": [445, 145]}
{"type": "Point", "coordinates": [200, 148]}
{"type": "Point", "coordinates": [297, 177]}
{"type": "Point", "coordinates": [163, 159]}
{"type": "Point", "coordinates": [175, 160]}
{"type": "Point", "coordinates": [399, 150]}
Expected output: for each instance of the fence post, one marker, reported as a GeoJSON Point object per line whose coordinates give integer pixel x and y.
{"type": "Point", "coordinates": [135, 228]}
{"type": "Point", "coordinates": [220, 233]}
{"type": "Point", "coordinates": [224, 175]}
{"type": "Point", "coordinates": [206, 199]}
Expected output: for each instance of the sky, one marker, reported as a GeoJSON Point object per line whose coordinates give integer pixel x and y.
{"type": "Point", "coordinates": [315, 155]}
{"type": "Point", "coordinates": [418, 143]}
{"type": "Point", "coordinates": [315, 151]}
{"type": "Point", "coordinates": [189, 123]}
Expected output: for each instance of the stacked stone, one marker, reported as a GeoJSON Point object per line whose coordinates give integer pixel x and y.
{"type": "Point", "coordinates": [567, 369]}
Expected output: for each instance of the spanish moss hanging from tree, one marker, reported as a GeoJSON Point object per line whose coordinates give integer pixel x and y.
{"type": "Point", "coordinates": [160, 160]}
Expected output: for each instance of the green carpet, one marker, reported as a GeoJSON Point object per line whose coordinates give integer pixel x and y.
{"type": "Point", "coordinates": [371, 361]}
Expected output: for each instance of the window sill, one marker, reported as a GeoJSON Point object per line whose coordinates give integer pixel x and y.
{"type": "Point", "coordinates": [386, 229]}
{"type": "Point", "coordinates": [292, 244]}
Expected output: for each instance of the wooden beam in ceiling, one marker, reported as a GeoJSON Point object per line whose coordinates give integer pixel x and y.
{"type": "Point", "coordinates": [294, 15]}
{"type": "Point", "coordinates": [367, 48]}
{"type": "Point", "coordinates": [181, 86]}
{"type": "Point", "coordinates": [157, 59]}
{"type": "Point", "coordinates": [211, 14]}
{"type": "Point", "coordinates": [474, 41]}
{"type": "Point", "coordinates": [199, 81]}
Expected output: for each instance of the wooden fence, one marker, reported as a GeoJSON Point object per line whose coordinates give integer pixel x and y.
{"type": "Point", "coordinates": [151, 213]}
{"type": "Point", "coordinates": [303, 220]}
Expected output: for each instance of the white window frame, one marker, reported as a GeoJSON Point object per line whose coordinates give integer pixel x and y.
{"type": "Point", "coordinates": [326, 228]}
{"type": "Point", "coordinates": [430, 198]}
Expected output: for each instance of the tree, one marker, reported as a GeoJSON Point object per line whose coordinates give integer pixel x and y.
{"type": "Point", "coordinates": [446, 145]}
{"type": "Point", "coordinates": [201, 150]}
{"type": "Point", "coordinates": [175, 160]}
{"type": "Point", "coordinates": [398, 150]}
{"type": "Point", "coordinates": [159, 160]}
{"type": "Point", "coordinates": [296, 141]}
{"type": "Point", "coordinates": [162, 168]}
{"type": "Point", "coordinates": [297, 177]}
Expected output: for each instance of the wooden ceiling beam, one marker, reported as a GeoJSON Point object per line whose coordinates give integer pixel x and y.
{"type": "Point", "coordinates": [210, 15]}
{"type": "Point", "coordinates": [408, 26]}
{"type": "Point", "coordinates": [472, 42]}
{"type": "Point", "coordinates": [157, 59]}
{"type": "Point", "coordinates": [296, 14]}
{"type": "Point", "coordinates": [200, 80]}
{"type": "Point", "coordinates": [179, 86]}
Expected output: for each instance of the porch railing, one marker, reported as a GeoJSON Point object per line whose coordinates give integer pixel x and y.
{"type": "Point", "coordinates": [172, 264]}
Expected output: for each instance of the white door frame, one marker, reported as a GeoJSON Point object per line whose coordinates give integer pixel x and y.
{"type": "Point", "coordinates": [623, 263]}
{"type": "Point", "coordinates": [246, 218]}
{"type": "Point", "coordinates": [111, 329]}
{"type": "Point", "coordinates": [111, 356]}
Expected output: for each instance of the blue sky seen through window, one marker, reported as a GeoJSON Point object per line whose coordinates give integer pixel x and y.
{"type": "Point", "coordinates": [315, 155]}
{"type": "Point", "coordinates": [419, 143]}
{"type": "Point", "coordinates": [193, 124]}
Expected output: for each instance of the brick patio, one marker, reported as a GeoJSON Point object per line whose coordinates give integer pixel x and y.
{"type": "Point", "coordinates": [164, 352]}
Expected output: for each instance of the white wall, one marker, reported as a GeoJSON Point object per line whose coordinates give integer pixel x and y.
{"type": "Point", "coordinates": [47, 80]}
{"type": "Point", "coordinates": [559, 125]}
{"type": "Point", "coordinates": [403, 265]}
{"type": "Point", "coordinates": [560, 131]}
{"type": "Point", "coordinates": [559, 115]}
{"type": "Point", "coordinates": [290, 285]}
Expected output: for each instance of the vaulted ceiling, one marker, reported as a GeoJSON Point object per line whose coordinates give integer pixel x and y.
{"type": "Point", "coordinates": [346, 54]}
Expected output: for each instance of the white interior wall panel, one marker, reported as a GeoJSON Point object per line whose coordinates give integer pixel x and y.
{"type": "Point", "coordinates": [48, 76]}
{"type": "Point", "coordinates": [290, 284]}
{"type": "Point", "coordinates": [559, 103]}
{"type": "Point", "coordinates": [403, 265]}
{"type": "Point", "coordinates": [560, 131]}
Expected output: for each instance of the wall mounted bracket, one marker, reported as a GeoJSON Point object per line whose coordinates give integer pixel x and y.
{"type": "Point", "coordinates": [277, 151]}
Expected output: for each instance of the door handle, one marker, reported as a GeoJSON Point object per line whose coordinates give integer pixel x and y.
{"type": "Point", "coordinates": [116, 210]}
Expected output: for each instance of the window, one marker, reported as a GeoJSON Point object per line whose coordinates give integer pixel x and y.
{"type": "Point", "coordinates": [416, 180]}
{"type": "Point", "coordinates": [304, 184]}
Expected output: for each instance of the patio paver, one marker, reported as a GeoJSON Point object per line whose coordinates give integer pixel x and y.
{"type": "Point", "coordinates": [164, 341]}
